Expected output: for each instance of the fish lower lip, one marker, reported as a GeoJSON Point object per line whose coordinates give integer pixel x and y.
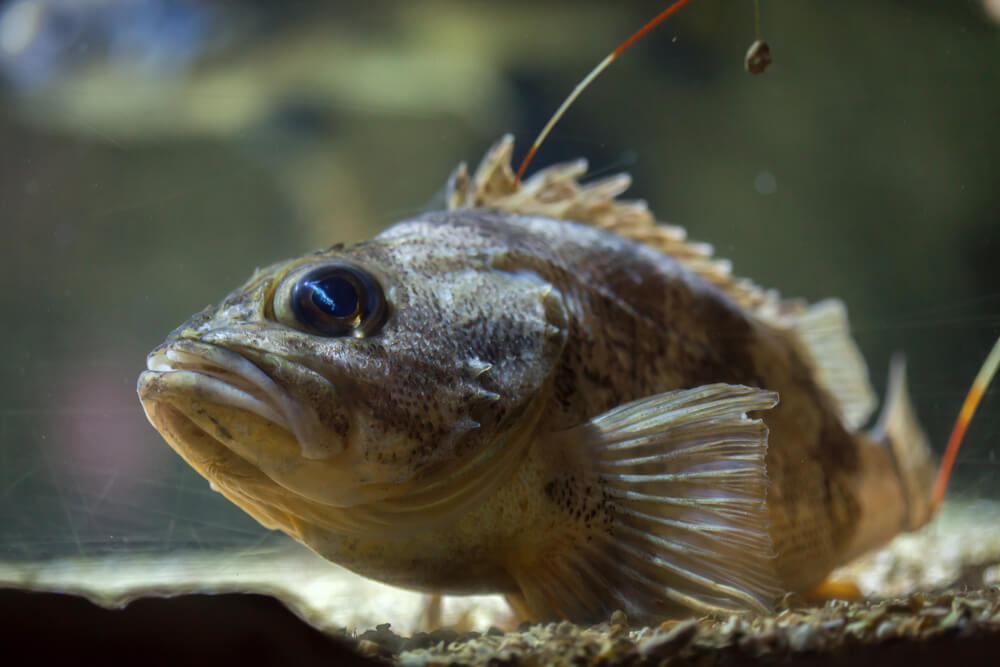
{"type": "Point", "coordinates": [227, 377]}
{"type": "Point", "coordinates": [213, 389]}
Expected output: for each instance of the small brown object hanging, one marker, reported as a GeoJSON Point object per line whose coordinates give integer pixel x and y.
{"type": "Point", "coordinates": [758, 57]}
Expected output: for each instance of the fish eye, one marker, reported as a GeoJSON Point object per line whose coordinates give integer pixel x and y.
{"type": "Point", "coordinates": [332, 300]}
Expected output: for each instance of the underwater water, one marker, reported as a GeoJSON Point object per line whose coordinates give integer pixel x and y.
{"type": "Point", "coordinates": [155, 153]}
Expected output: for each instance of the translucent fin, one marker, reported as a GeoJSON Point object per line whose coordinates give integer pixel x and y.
{"type": "Point", "coordinates": [826, 338]}
{"type": "Point", "coordinates": [899, 429]}
{"type": "Point", "coordinates": [682, 523]}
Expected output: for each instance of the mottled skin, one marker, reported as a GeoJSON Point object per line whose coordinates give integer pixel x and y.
{"type": "Point", "coordinates": [510, 325]}
{"type": "Point", "coordinates": [640, 325]}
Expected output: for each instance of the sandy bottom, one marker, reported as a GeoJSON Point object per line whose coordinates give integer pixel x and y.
{"type": "Point", "coordinates": [933, 593]}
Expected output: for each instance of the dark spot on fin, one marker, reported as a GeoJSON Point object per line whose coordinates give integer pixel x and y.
{"type": "Point", "coordinates": [682, 483]}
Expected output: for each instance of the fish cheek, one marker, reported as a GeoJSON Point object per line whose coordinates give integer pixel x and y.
{"type": "Point", "coordinates": [404, 428]}
{"type": "Point", "coordinates": [454, 376]}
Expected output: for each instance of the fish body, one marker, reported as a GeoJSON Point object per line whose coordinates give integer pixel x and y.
{"type": "Point", "coordinates": [540, 392]}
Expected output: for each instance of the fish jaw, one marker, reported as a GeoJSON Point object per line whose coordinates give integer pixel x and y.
{"type": "Point", "coordinates": [205, 399]}
{"type": "Point", "coordinates": [218, 376]}
{"type": "Point", "coordinates": [226, 471]}
{"type": "Point", "coordinates": [413, 534]}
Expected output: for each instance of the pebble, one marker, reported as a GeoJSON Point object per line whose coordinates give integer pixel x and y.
{"type": "Point", "coordinates": [368, 649]}
{"type": "Point", "coordinates": [667, 643]}
{"type": "Point", "coordinates": [801, 637]}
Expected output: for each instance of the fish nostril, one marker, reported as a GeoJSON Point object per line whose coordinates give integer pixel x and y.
{"type": "Point", "coordinates": [194, 327]}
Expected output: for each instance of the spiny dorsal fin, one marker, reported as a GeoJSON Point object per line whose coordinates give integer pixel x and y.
{"type": "Point", "coordinates": [556, 192]}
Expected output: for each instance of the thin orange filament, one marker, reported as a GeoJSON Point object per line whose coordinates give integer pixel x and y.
{"type": "Point", "coordinates": [972, 399]}
{"type": "Point", "coordinates": [659, 18]}
{"type": "Point", "coordinates": [986, 373]}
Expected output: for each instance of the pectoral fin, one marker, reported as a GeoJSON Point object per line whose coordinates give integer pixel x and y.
{"type": "Point", "coordinates": [677, 519]}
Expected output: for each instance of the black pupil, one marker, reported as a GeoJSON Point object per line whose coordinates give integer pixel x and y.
{"type": "Point", "coordinates": [336, 296]}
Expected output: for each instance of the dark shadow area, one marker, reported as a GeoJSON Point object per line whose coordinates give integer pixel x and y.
{"type": "Point", "coordinates": [233, 629]}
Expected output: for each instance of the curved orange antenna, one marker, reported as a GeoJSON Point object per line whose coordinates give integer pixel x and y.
{"type": "Point", "coordinates": [659, 18]}
{"type": "Point", "coordinates": [972, 399]}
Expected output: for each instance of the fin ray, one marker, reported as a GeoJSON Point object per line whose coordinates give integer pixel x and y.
{"type": "Point", "coordinates": [684, 528]}
{"type": "Point", "coordinates": [824, 333]}
{"type": "Point", "coordinates": [557, 192]}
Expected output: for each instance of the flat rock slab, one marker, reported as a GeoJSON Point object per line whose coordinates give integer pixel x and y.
{"type": "Point", "coordinates": [931, 596]}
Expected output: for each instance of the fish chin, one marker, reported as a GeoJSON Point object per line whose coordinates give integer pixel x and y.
{"type": "Point", "coordinates": [228, 473]}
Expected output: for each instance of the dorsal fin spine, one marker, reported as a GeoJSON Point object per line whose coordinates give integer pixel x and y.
{"type": "Point", "coordinates": [556, 192]}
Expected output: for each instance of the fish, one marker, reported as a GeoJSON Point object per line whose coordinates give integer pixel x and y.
{"type": "Point", "coordinates": [542, 391]}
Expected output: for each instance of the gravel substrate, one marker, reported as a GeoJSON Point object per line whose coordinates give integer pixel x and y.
{"type": "Point", "coordinates": [930, 626]}
{"type": "Point", "coordinates": [930, 598]}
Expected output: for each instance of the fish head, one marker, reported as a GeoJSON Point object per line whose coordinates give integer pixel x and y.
{"type": "Point", "coordinates": [359, 374]}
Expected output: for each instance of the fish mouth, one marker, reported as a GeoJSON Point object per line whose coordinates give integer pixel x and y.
{"type": "Point", "coordinates": [226, 378]}
{"type": "Point", "coordinates": [240, 428]}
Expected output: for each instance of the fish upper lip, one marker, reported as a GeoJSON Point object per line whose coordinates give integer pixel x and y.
{"type": "Point", "coordinates": [242, 383]}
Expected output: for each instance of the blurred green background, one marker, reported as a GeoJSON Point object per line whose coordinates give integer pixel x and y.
{"type": "Point", "coordinates": [154, 152]}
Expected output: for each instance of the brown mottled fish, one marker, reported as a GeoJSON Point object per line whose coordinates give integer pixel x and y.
{"type": "Point", "coordinates": [544, 393]}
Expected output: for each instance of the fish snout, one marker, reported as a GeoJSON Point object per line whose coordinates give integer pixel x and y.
{"type": "Point", "coordinates": [185, 371]}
